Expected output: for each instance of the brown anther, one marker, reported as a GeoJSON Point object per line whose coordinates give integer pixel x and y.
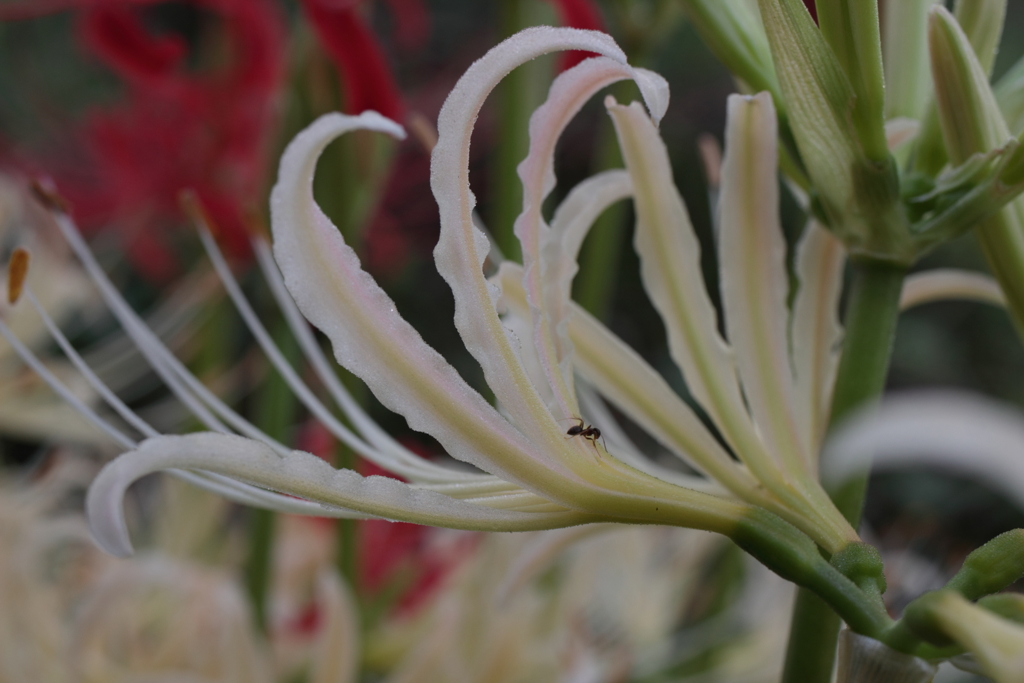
{"type": "Point", "coordinates": [46, 194]}
{"type": "Point", "coordinates": [17, 271]}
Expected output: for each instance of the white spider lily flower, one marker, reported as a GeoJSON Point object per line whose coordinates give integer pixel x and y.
{"type": "Point", "coordinates": [543, 479]}
{"type": "Point", "coordinates": [612, 614]}
{"type": "Point", "coordinates": [767, 390]}
{"type": "Point", "coordinates": [72, 613]}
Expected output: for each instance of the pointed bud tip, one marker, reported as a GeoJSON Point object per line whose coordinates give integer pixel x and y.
{"type": "Point", "coordinates": [17, 271]}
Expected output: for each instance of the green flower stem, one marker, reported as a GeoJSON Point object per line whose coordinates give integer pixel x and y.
{"type": "Point", "coordinates": [275, 410]}
{"type": "Point", "coordinates": [262, 525]}
{"type": "Point", "coordinates": [792, 555]}
{"type": "Point", "coordinates": [870, 327]}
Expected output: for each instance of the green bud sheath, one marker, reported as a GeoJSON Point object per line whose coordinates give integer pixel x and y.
{"type": "Point", "coordinates": [905, 46]}
{"type": "Point", "coordinates": [972, 124]}
{"type": "Point", "coordinates": [982, 23]}
{"type": "Point", "coordinates": [732, 30]}
{"type": "Point", "coordinates": [857, 193]}
{"type": "Point", "coordinates": [851, 29]}
{"type": "Point", "coordinates": [992, 567]}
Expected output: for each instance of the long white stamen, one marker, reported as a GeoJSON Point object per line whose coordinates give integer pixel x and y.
{"type": "Point", "coordinates": [120, 363]}
{"type": "Point", "coordinates": [119, 407]}
{"type": "Point", "coordinates": [30, 359]}
{"type": "Point", "coordinates": [163, 361]}
{"type": "Point", "coordinates": [274, 354]}
{"type": "Point", "coordinates": [239, 492]}
{"type": "Point", "coordinates": [298, 387]}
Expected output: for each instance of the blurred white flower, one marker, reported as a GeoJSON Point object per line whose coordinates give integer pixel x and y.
{"type": "Point", "coordinates": [72, 613]}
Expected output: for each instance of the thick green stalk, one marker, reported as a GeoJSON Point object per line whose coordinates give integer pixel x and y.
{"type": "Point", "coordinates": [870, 327]}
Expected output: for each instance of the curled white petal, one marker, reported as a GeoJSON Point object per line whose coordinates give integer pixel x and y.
{"type": "Point", "coordinates": [462, 248]}
{"type": "Point", "coordinates": [959, 432]}
{"type": "Point", "coordinates": [368, 335]}
{"type": "Point", "coordinates": [671, 272]}
{"type": "Point", "coordinates": [296, 473]}
{"type": "Point", "coordinates": [628, 381]}
{"type": "Point", "coordinates": [815, 330]}
{"type": "Point", "coordinates": [572, 222]}
{"type": "Point", "coordinates": [569, 92]}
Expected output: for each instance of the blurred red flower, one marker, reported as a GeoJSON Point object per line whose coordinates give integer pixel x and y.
{"type": "Point", "coordinates": [207, 129]}
{"type": "Point", "coordinates": [350, 43]}
{"type": "Point", "coordinates": [577, 14]}
{"type": "Point", "coordinates": [189, 121]}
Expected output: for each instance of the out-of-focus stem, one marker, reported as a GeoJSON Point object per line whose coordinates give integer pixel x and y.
{"type": "Point", "coordinates": [518, 95]}
{"type": "Point", "coordinates": [275, 413]}
{"type": "Point", "coordinates": [870, 328]}
{"type": "Point", "coordinates": [602, 252]}
{"type": "Point", "coordinates": [345, 553]}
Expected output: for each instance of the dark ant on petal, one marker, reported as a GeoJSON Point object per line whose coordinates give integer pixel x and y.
{"type": "Point", "coordinates": [588, 432]}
